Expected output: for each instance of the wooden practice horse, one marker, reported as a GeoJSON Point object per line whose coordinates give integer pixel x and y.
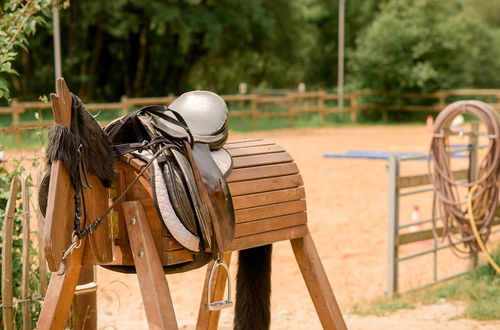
{"type": "Point", "coordinates": [269, 206]}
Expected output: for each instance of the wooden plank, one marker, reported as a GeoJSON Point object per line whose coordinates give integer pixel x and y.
{"type": "Point", "coordinates": [210, 319]}
{"type": "Point", "coordinates": [25, 276]}
{"type": "Point", "coordinates": [270, 224]}
{"type": "Point", "coordinates": [269, 237]}
{"type": "Point", "coordinates": [60, 204]}
{"type": "Point", "coordinates": [85, 301]}
{"type": "Point", "coordinates": [57, 302]}
{"type": "Point", "coordinates": [266, 198]}
{"type": "Point", "coordinates": [58, 226]}
{"type": "Point", "coordinates": [422, 180]}
{"type": "Point", "coordinates": [119, 230]}
{"type": "Point", "coordinates": [8, 230]}
{"type": "Point", "coordinates": [126, 158]}
{"type": "Point", "coordinates": [141, 189]}
{"type": "Point", "coordinates": [176, 257]}
{"type": "Point", "coordinates": [153, 283]}
{"type": "Point", "coordinates": [317, 283]}
{"type": "Point", "coordinates": [100, 240]}
{"type": "Point", "coordinates": [246, 144]}
{"type": "Point", "coordinates": [137, 163]}
{"type": "Point", "coordinates": [269, 211]}
{"type": "Point", "coordinates": [422, 235]}
{"type": "Point", "coordinates": [262, 185]}
{"type": "Point", "coordinates": [234, 142]}
{"type": "Point", "coordinates": [147, 202]}
{"type": "Point", "coordinates": [170, 244]}
{"type": "Point", "coordinates": [276, 158]}
{"type": "Point", "coordinates": [255, 150]}
{"type": "Point", "coordinates": [155, 224]}
{"type": "Point", "coordinates": [261, 172]}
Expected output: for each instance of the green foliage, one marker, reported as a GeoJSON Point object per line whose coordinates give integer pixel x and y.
{"type": "Point", "coordinates": [422, 46]}
{"type": "Point", "coordinates": [161, 47]}
{"type": "Point", "coordinates": [18, 20]}
{"type": "Point", "coordinates": [151, 48]}
{"type": "Point", "coordinates": [5, 182]}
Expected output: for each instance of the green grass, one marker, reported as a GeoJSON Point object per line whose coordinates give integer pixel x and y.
{"type": "Point", "coordinates": [29, 139]}
{"type": "Point", "coordinates": [479, 289]}
{"type": "Point", "coordinates": [381, 307]}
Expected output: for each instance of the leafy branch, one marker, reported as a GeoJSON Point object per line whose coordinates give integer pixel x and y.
{"type": "Point", "coordinates": [18, 20]}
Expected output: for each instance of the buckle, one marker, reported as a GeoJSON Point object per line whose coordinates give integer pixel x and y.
{"type": "Point", "coordinates": [221, 304]}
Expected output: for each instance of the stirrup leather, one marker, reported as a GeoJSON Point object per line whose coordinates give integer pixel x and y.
{"type": "Point", "coordinates": [221, 304]}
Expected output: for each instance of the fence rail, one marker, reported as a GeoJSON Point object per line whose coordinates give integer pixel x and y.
{"type": "Point", "coordinates": [259, 106]}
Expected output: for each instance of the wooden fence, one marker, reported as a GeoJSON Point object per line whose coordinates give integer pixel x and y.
{"type": "Point", "coordinates": [9, 303]}
{"type": "Point", "coordinates": [287, 105]}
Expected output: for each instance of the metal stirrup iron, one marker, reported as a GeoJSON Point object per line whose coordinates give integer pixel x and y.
{"type": "Point", "coordinates": [221, 304]}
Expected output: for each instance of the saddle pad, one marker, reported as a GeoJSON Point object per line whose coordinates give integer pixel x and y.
{"type": "Point", "coordinates": [167, 212]}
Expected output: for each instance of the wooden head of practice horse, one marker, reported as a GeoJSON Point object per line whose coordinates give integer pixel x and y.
{"type": "Point", "coordinates": [269, 201]}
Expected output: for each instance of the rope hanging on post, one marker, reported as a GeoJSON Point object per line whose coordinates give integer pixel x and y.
{"type": "Point", "coordinates": [484, 198]}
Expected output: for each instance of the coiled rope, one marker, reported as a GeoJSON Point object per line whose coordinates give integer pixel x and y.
{"type": "Point", "coordinates": [484, 197]}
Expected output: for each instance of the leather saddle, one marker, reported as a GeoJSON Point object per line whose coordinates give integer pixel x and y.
{"type": "Point", "coordinates": [183, 145]}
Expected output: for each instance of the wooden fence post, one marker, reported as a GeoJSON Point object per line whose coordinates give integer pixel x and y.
{"type": "Point", "coordinates": [353, 105]}
{"type": "Point", "coordinates": [255, 111]}
{"type": "Point", "coordinates": [16, 110]}
{"type": "Point", "coordinates": [290, 99]}
{"type": "Point", "coordinates": [124, 105]}
{"type": "Point", "coordinates": [7, 284]}
{"type": "Point", "coordinates": [321, 107]}
{"type": "Point", "coordinates": [25, 276]}
{"type": "Point", "coordinates": [441, 96]}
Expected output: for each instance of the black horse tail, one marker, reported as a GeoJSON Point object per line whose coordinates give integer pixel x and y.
{"type": "Point", "coordinates": [253, 289]}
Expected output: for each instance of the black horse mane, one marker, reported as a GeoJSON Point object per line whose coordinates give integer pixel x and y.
{"type": "Point", "coordinates": [97, 151]}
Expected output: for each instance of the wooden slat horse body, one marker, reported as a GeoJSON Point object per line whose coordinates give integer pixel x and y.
{"type": "Point", "coordinates": [268, 196]}
{"type": "Point", "coordinates": [269, 201]}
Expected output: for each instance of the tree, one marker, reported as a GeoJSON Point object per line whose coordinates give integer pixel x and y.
{"type": "Point", "coordinates": [422, 46]}
{"type": "Point", "coordinates": [322, 24]}
{"type": "Point", "coordinates": [146, 48]}
{"type": "Point", "coordinates": [18, 20]}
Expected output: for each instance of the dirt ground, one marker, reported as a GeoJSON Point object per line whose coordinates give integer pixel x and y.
{"type": "Point", "coordinates": [347, 203]}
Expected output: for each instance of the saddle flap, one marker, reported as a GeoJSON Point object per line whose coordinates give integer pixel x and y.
{"type": "Point", "coordinates": [203, 217]}
{"type": "Point", "coordinates": [178, 194]}
{"type": "Point", "coordinates": [218, 192]}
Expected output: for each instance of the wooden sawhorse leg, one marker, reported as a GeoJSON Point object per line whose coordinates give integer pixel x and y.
{"type": "Point", "coordinates": [59, 296]}
{"type": "Point", "coordinates": [153, 283]}
{"type": "Point", "coordinates": [210, 319]}
{"type": "Point", "coordinates": [314, 276]}
{"type": "Point", "coordinates": [317, 282]}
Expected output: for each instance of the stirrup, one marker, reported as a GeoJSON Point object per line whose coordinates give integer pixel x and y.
{"type": "Point", "coordinates": [221, 304]}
